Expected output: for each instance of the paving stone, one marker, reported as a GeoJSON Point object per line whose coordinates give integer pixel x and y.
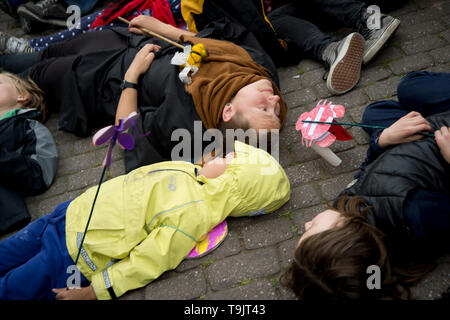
{"type": "Point", "coordinates": [304, 196]}
{"type": "Point", "coordinates": [411, 63]}
{"type": "Point", "coordinates": [410, 32]}
{"type": "Point", "coordinates": [350, 99]}
{"type": "Point", "coordinates": [312, 77]}
{"type": "Point", "coordinates": [190, 285]}
{"type": "Point", "coordinates": [255, 290]}
{"type": "Point", "coordinates": [301, 153]}
{"type": "Point", "coordinates": [383, 89]}
{"type": "Point", "coordinates": [351, 160]}
{"type": "Point", "coordinates": [373, 74]}
{"type": "Point", "coordinates": [306, 172]}
{"type": "Point", "coordinates": [289, 79]}
{"type": "Point", "coordinates": [446, 34]}
{"type": "Point", "coordinates": [332, 187]}
{"type": "Point", "coordinates": [47, 206]}
{"type": "Point", "coordinates": [308, 65]}
{"type": "Point", "coordinates": [441, 55]}
{"type": "Point", "coordinates": [266, 233]}
{"type": "Point", "coordinates": [423, 44]}
{"type": "Point", "coordinates": [85, 178]}
{"type": "Point", "coordinates": [387, 54]}
{"type": "Point", "coordinates": [234, 270]}
{"type": "Point", "coordinates": [434, 283]}
{"type": "Point", "coordinates": [286, 250]}
{"type": "Point", "coordinates": [440, 68]}
{"type": "Point", "coordinates": [360, 136]}
{"type": "Point", "coordinates": [297, 98]}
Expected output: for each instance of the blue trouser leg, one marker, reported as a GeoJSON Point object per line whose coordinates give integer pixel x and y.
{"type": "Point", "coordinates": [35, 260]}
{"type": "Point", "coordinates": [85, 5]}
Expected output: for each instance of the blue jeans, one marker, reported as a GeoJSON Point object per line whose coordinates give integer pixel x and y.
{"type": "Point", "coordinates": [425, 92]}
{"type": "Point", "coordinates": [34, 260]}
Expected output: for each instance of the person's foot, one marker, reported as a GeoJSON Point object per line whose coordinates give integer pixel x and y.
{"type": "Point", "coordinates": [45, 11]}
{"type": "Point", "coordinates": [344, 59]}
{"type": "Point", "coordinates": [377, 37]}
{"type": "Point", "coordinates": [13, 45]}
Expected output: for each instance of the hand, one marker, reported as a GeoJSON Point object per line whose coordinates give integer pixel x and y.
{"type": "Point", "coordinates": [404, 130]}
{"type": "Point", "coordinates": [442, 137]}
{"type": "Point", "coordinates": [141, 62]}
{"type": "Point", "coordinates": [147, 22]}
{"type": "Point", "coordinates": [85, 293]}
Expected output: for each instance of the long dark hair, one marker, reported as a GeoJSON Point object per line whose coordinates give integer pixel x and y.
{"type": "Point", "coordinates": [333, 264]}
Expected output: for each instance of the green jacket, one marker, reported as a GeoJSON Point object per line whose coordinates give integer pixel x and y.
{"type": "Point", "coordinates": [147, 222]}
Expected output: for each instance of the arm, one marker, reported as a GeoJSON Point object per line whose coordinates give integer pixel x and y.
{"type": "Point", "coordinates": [129, 97]}
{"type": "Point", "coordinates": [442, 137]}
{"type": "Point", "coordinates": [157, 26]}
{"type": "Point", "coordinates": [403, 130]}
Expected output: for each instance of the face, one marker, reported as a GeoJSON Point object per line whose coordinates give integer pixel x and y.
{"type": "Point", "coordinates": [216, 167]}
{"type": "Point", "coordinates": [325, 220]}
{"type": "Point", "coordinates": [257, 103]}
{"type": "Point", "coordinates": [9, 96]}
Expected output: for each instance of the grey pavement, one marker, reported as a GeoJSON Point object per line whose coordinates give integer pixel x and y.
{"type": "Point", "coordinates": [250, 261]}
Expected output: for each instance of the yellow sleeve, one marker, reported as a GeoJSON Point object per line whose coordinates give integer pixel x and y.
{"type": "Point", "coordinates": [163, 249]}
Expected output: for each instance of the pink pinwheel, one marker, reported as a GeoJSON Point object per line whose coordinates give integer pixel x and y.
{"type": "Point", "coordinates": [316, 125]}
{"type": "Point", "coordinates": [115, 133]}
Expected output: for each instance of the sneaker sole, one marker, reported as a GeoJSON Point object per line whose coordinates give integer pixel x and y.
{"type": "Point", "coordinates": [381, 41]}
{"type": "Point", "coordinates": [345, 71]}
{"type": "Point", "coordinates": [24, 12]}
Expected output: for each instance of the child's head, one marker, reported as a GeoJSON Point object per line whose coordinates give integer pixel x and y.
{"type": "Point", "coordinates": [253, 106]}
{"type": "Point", "coordinates": [333, 255]}
{"type": "Point", "coordinates": [24, 93]}
{"type": "Point", "coordinates": [253, 178]}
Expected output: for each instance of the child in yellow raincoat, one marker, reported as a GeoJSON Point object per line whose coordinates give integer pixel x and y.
{"type": "Point", "coordinates": [144, 223]}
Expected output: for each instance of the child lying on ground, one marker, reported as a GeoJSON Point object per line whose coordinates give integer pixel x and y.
{"type": "Point", "coordinates": [396, 215]}
{"type": "Point", "coordinates": [28, 155]}
{"type": "Point", "coordinates": [144, 223]}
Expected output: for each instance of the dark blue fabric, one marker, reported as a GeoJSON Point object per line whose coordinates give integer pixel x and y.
{"type": "Point", "coordinates": [428, 214]}
{"type": "Point", "coordinates": [34, 260]}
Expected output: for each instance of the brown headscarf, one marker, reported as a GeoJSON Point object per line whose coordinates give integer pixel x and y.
{"type": "Point", "coordinates": [226, 70]}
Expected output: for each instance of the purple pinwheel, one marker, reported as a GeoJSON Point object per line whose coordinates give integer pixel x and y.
{"type": "Point", "coordinates": [116, 133]}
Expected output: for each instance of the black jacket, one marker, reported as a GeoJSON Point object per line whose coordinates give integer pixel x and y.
{"type": "Point", "coordinates": [386, 183]}
{"type": "Point", "coordinates": [28, 162]}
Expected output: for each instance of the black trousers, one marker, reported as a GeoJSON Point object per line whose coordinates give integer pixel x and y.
{"type": "Point", "coordinates": [299, 23]}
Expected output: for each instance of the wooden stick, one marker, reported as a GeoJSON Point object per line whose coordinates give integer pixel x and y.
{"type": "Point", "coordinates": [154, 34]}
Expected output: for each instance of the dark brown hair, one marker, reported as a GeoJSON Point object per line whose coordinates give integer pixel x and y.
{"type": "Point", "coordinates": [333, 264]}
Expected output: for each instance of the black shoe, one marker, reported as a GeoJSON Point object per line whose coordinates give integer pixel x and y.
{"type": "Point", "coordinates": [377, 37]}
{"type": "Point", "coordinates": [45, 11]}
{"type": "Point", "coordinates": [344, 58]}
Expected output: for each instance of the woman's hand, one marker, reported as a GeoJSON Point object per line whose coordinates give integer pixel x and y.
{"type": "Point", "coordinates": [147, 22]}
{"type": "Point", "coordinates": [141, 62]}
{"type": "Point", "coordinates": [85, 293]}
{"type": "Point", "coordinates": [404, 130]}
{"type": "Point", "coordinates": [442, 137]}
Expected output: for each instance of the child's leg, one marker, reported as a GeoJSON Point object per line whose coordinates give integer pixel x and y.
{"type": "Point", "coordinates": [425, 92]}
{"type": "Point", "coordinates": [18, 63]}
{"type": "Point", "coordinates": [35, 259]}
